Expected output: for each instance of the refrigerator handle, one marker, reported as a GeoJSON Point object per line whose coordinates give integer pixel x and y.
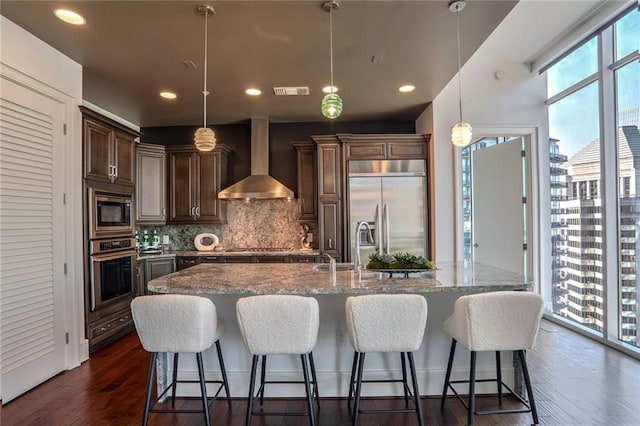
{"type": "Point", "coordinates": [377, 234]}
{"type": "Point", "coordinates": [385, 218]}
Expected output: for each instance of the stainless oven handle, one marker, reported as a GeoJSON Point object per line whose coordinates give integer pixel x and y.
{"type": "Point", "coordinates": [93, 290]}
{"type": "Point", "coordinates": [110, 256]}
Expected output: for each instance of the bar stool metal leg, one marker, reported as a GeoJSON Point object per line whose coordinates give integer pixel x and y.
{"type": "Point", "coordinates": [404, 379]}
{"type": "Point", "coordinates": [147, 404]}
{"type": "Point", "coordinates": [203, 388]}
{"type": "Point", "coordinates": [314, 377]}
{"type": "Point", "coordinates": [252, 385]}
{"type": "Point", "coordinates": [447, 378]}
{"type": "Point", "coordinates": [175, 380]}
{"type": "Point", "coordinates": [356, 407]}
{"type": "Point", "coordinates": [499, 377]}
{"type": "Point", "coordinates": [416, 391]}
{"type": "Point", "coordinates": [307, 385]}
{"type": "Point", "coordinates": [263, 373]}
{"type": "Point", "coordinates": [223, 370]}
{"type": "Point", "coordinates": [354, 367]}
{"type": "Point", "coordinates": [472, 389]}
{"type": "Point", "coordinates": [527, 381]}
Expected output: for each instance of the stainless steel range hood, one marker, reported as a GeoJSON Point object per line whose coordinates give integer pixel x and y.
{"type": "Point", "coordinates": [258, 186]}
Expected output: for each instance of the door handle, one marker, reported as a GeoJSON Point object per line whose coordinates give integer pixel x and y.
{"type": "Point", "coordinates": [378, 231]}
{"type": "Point", "coordinates": [330, 241]}
{"type": "Point", "coordinates": [385, 219]}
{"type": "Point", "coordinates": [475, 245]}
{"type": "Point", "coordinates": [197, 212]}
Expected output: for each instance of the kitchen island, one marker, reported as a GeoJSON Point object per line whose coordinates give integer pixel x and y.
{"type": "Point", "coordinates": [225, 283]}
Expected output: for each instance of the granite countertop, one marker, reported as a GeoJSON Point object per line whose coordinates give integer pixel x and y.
{"type": "Point", "coordinates": [295, 278]}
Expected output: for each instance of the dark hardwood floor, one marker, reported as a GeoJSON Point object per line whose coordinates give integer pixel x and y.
{"type": "Point", "coordinates": [576, 382]}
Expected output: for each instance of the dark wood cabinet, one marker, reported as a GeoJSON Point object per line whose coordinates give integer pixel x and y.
{"type": "Point", "coordinates": [307, 181]}
{"type": "Point", "coordinates": [159, 267]}
{"type": "Point", "coordinates": [188, 261]}
{"type": "Point", "coordinates": [384, 147]}
{"type": "Point", "coordinates": [185, 262]}
{"type": "Point", "coordinates": [330, 203]}
{"type": "Point", "coordinates": [109, 149]}
{"type": "Point", "coordinates": [150, 184]}
{"type": "Point", "coordinates": [194, 180]}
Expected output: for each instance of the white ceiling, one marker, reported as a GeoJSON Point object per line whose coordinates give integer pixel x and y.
{"type": "Point", "coordinates": [132, 50]}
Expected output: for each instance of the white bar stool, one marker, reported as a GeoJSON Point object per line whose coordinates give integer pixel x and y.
{"type": "Point", "coordinates": [386, 323]}
{"type": "Point", "coordinates": [496, 321]}
{"type": "Point", "coordinates": [278, 325]}
{"type": "Point", "coordinates": [179, 324]}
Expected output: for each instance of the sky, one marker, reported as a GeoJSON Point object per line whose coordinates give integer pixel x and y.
{"type": "Point", "coordinates": [574, 120]}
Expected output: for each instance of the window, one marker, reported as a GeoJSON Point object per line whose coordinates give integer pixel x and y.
{"type": "Point", "coordinates": [593, 189]}
{"type": "Point", "coordinates": [605, 65]}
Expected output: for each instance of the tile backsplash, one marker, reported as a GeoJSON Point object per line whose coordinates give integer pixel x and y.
{"type": "Point", "coordinates": [256, 223]}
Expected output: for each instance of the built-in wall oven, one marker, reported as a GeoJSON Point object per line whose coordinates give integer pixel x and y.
{"type": "Point", "coordinates": [113, 271]}
{"type": "Point", "coordinates": [109, 214]}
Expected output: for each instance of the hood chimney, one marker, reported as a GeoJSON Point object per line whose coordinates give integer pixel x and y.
{"type": "Point", "coordinates": [259, 185]}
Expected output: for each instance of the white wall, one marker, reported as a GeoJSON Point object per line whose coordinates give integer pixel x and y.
{"type": "Point", "coordinates": [32, 62]}
{"type": "Point", "coordinates": [516, 100]}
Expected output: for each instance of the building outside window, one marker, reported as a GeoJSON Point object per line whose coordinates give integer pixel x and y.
{"type": "Point", "coordinates": [604, 71]}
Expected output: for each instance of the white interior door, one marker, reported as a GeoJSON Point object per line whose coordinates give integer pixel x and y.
{"type": "Point", "coordinates": [32, 235]}
{"type": "Point", "coordinates": [497, 206]}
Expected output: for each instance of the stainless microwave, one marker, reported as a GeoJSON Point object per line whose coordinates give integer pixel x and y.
{"type": "Point", "coordinates": [110, 214]}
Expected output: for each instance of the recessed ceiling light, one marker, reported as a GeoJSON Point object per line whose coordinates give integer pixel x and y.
{"type": "Point", "coordinates": [327, 89]}
{"type": "Point", "coordinates": [407, 88]}
{"type": "Point", "coordinates": [253, 91]}
{"type": "Point", "coordinates": [168, 95]}
{"type": "Point", "coordinates": [69, 16]}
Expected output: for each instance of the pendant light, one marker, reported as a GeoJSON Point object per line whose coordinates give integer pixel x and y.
{"type": "Point", "coordinates": [461, 132]}
{"type": "Point", "coordinates": [205, 138]}
{"type": "Point", "coordinates": [331, 105]}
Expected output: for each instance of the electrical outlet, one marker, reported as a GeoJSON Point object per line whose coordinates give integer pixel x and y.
{"type": "Point", "coordinates": [165, 239]}
{"type": "Point", "coordinates": [341, 337]}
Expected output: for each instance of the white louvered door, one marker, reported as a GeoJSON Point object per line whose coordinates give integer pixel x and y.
{"type": "Point", "coordinates": [32, 238]}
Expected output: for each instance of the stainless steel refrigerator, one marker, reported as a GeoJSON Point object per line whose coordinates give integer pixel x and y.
{"type": "Point", "coordinates": [391, 196]}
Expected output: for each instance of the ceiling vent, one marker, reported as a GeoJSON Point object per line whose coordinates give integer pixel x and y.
{"type": "Point", "coordinates": [291, 91]}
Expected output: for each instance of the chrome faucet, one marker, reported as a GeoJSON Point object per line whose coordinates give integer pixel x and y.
{"type": "Point", "coordinates": [359, 226]}
{"type": "Point", "coordinates": [332, 267]}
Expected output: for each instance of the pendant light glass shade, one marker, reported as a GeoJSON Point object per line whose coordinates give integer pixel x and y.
{"type": "Point", "coordinates": [205, 138]}
{"type": "Point", "coordinates": [331, 105]}
{"type": "Point", "coordinates": [461, 134]}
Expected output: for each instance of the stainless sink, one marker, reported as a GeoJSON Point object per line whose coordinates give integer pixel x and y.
{"type": "Point", "coordinates": [324, 267]}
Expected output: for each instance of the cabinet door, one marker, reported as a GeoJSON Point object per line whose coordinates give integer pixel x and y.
{"type": "Point", "coordinates": [150, 184]}
{"type": "Point", "coordinates": [98, 147]}
{"type": "Point", "coordinates": [208, 205]}
{"type": "Point", "coordinates": [185, 262]}
{"type": "Point", "coordinates": [123, 159]}
{"type": "Point", "coordinates": [307, 182]}
{"type": "Point", "coordinates": [330, 226]}
{"type": "Point", "coordinates": [240, 259]}
{"type": "Point", "coordinates": [182, 174]}
{"type": "Point", "coordinates": [329, 170]}
{"type": "Point", "coordinates": [305, 259]}
{"type": "Point", "coordinates": [366, 151]}
{"type": "Point", "coordinates": [272, 259]}
{"type": "Point", "coordinates": [140, 278]}
{"type": "Point", "coordinates": [158, 268]}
